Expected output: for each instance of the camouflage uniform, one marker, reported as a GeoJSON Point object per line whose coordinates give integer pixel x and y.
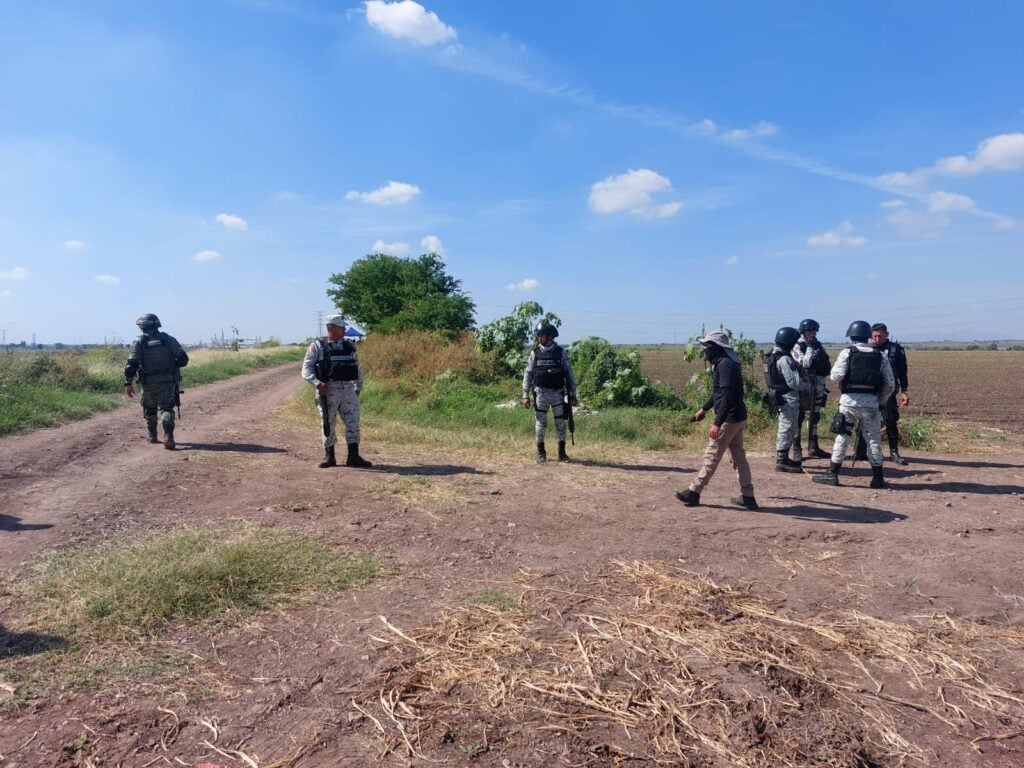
{"type": "Point", "coordinates": [342, 396]}
{"type": "Point", "coordinates": [860, 409]}
{"type": "Point", "coordinates": [549, 397]}
{"type": "Point", "coordinates": [157, 358]}
{"type": "Point", "coordinates": [789, 407]}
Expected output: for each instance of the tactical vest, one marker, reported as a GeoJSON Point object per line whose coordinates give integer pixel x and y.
{"type": "Point", "coordinates": [547, 367]}
{"type": "Point", "coordinates": [337, 361]}
{"type": "Point", "coordinates": [156, 360]}
{"type": "Point", "coordinates": [778, 381]}
{"type": "Point", "coordinates": [822, 365]}
{"type": "Point", "coordinates": [864, 374]}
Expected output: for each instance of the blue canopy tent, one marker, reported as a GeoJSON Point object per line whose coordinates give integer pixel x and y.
{"type": "Point", "coordinates": [353, 333]}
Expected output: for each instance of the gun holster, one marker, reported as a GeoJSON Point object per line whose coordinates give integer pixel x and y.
{"type": "Point", "coordinates": [840, 425]}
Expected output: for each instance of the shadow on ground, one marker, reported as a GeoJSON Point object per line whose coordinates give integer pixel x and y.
{"type": "Point", "coordinates": [28, 643]}
{"type": "Point", "coordinates": [962, 488]}
{"type": "Point", "coordinates": [826, 511]}
{"type": "Point", "coordinates": [970, 464]}
{"type": "Point", "coordinates": [427, 469]}
{"type": "Point", "coordinates": [12, 523]}
{"type": "Point", "coordinates": [236, 447]}
{"type": "Point", "coordinates": [630, 467]}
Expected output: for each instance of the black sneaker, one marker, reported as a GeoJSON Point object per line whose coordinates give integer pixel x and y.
{"type": "Point", "coordinates": [688, 497]}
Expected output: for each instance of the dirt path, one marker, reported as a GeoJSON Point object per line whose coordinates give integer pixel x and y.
{"type": "Point", "coordinates": [945, 539]}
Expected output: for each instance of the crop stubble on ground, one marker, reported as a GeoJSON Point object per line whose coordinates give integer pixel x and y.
{"type": "Point", "coordinates": [542, 615]}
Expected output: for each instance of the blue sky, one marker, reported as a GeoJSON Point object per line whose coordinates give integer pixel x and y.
{"type": "Point", "coordinates": [642, 169]}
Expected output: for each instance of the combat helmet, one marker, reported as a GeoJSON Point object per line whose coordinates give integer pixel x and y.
{"type": "Point", "coordinates": [546, 329]}
{"type": "Point", "coordinates": [150, 322]}
{"type": "Point", "coordinates": [809, 325]}
{"type": "Point", "coordinates": [787, 336]}
{"type": "Point", "coordinates": [859, 330]}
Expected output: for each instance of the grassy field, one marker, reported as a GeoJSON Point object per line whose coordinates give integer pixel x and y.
{"type": "Point", "coordinates": [45, 388]}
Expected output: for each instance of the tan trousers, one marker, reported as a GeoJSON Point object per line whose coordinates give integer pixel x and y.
{"type": "Point", "coordinates": [729, 437]}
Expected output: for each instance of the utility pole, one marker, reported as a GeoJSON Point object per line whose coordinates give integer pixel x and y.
{"type": "Point", "coordinates": [319, 323]}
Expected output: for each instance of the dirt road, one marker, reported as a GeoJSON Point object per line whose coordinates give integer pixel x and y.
{"type": "Point", "coordinates": [945, 539]}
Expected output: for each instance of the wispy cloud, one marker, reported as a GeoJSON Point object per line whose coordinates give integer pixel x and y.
{"type": "Point", "coordinates": [7, 294]}
{"type": "Point", "coordinates": [949, 201]}
{"type": "Point", "coordinates": [432, 244]}
{"type": "Point", "coordinates": [732, 261]}
{"type": "Point", "coordinates": [631, 192]}
{"type": "Point", "coordinates": [526, 285]}
{"type": "Point", "coordinates": [408, 20]}
{"type": "Point", "coordinates": [231, 221]}
{"type": "Point", "coordinates": [107, 279]}
{"type": "Point", "coordinates": [206, 256]}
{"type": "Point", "coordinates": [74, 245]}
{"type": "Point", "coordinates": [391, 249]}
{"type": "Point", "coordinates": [392, 193]}
{"type": "Point", "coordinates": [841, 235]}
{"type": "Point", "coordinates": [16, 273]}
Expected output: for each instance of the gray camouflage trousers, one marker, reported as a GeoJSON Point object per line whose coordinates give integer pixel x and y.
{"type": "Point", "coordinates": [866, 419]}
{"type": "Point", "coordinates": [789, 423]}
{"type": "Point", "coordinates": [341, 399]}
{"type": "Point", "coordinates": [158, 400]}
{"type": "Point", "coordinates": [555, 400]}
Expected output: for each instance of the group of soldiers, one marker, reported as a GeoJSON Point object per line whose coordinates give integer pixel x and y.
{"type": "Point", "coordinates": [870, 372]}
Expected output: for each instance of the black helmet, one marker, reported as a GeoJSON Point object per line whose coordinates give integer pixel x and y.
{"type": "Point", "coordinates": [809, 325]}
{"type": "Point", "coordinates": [148, 322]}
{"type": "Point", "coordinates": [787, 336]}
{"type": "Point", "coordinates": [859, 330]}
{"type": "Point", "coordinates": [546, 329]}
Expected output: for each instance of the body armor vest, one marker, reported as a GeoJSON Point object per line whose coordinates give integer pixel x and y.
{"type": "Point", "coordinates": [547, 366]}
{"type": "Point", "coordinates": [156, 361]}
{"type": "Point", "coordinates": [865, 372]}
{"type": "Point", "coordinates": [337, 361]}
{"type": "Point", "coordinates": [778, 381]}
{"type": "Point", "coordinates": [822, 365]}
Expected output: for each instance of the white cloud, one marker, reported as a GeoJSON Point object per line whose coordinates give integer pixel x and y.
{"type": "Point", "coordinates": [998, 153]}
{"type": "Point", "coordinates": [757, 131]}
{"type": "Point", "coordinates": [631, 191]}
{"type": "Point", "coordinates": [892, 204]}
{"type": "Point", "coordinates": [107, 279]}
{"type": "Point", "coordinates": [949, 201]}
{"type": "Point", "coordinates": [391, 249]}
{"type": "Point", "coordinates": [231, 221]}
{"type": "Point", "coordinates": [916, 223]}
{"type": "Point", "coordinates": [7, 294]}
{"type": "Point", "coordinates": [841, 235]}
{"type": "Point", "coordinates": [17, 273]}
{"type": "Point", "coordinates": [206, 256]}
{"type": "Point", "coordinates": [732, 261]}
{"type": "Point", "coordinates": [392, 193]}
{"type": "Point", "coordinates": [432, 244]}
{"type": "Point", "coordinates": [872, 275]}
{"type": "Point", "coordinates": [525, 285]}
{"type": "Point", "coordinates": [408, 20]}
{"type": "Point", "coordinates": [74, 245]}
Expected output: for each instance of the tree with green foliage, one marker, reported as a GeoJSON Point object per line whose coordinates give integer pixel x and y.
{"type": "Point", "coordinates": [388, 294]}
{"type": "Point", "coordinates": [700, 386]}
{"type": "Point", "coordinates": [608, 376]}
{"type": "Point", "coordinates": [508, 338]}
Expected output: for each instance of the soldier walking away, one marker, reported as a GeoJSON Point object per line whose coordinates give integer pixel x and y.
{"type": "Point", "coordinates": [813, 358]}
{"type": "Point", "coordinates": [332, 367]}
{"type": "Point", "coordinates": [786, 386]}
{"type": "Point", "coordinates": [549, 375]}
{"type": "Point", "coordinates": [890, 410]}
{"type": "Point", "coordinates": [157, 358]}
{"type": "Point", "coordinates": [865, 379]}
{"type": "Point", "coordinates": [730, 422]}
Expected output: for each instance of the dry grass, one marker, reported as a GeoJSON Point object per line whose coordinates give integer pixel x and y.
{"type": "Point", "coordinates": [649, 662]}
{"type": "Point", "coordinates": [421, 355]}
{"type": "Point", "coordinates": [434, 496]}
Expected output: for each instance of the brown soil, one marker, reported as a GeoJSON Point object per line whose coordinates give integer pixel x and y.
{"type": "Point", "coordinates": [306, 686]}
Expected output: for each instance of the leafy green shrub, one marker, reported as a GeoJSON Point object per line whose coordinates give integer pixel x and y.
{"type": "Point", "coordinates": [507, 339]}
{"type": "Point", "coordinates": [605, 375]}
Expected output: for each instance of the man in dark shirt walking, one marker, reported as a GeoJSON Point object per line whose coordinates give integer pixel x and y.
{"type": "Point", "coordinates": [730, 422]}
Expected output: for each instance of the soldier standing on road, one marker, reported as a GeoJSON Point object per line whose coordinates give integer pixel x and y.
{"type": "Point", "coordinates": [730, 422]}
{"type": "Point", "coordinates": [787, 384]}
{"type": "Point", "coordinates": [157, 358]}
{"type": "Point", "coordinates": [549, 375]}
{"type": "Point", "coordinates": [813, 358]}
{"type": "Point", "coordinates": [865, 378]}
{"type": "Point", "coordinates": [890, 410]}
{"type": "Point", "coordinates": [332, 367]}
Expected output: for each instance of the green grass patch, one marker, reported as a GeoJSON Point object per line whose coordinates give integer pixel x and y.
{"type": "Point", "coordinates": [123, 592]}
{"type": "Point", "coordinates": [24, 406]}
{"type": "Point", "coordinates": [920, 433]}
{"type": "Point", "coordinates": [495, 598]}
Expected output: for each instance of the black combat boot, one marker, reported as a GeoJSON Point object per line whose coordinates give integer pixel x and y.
{"type": "Point", "coordinates": [877, 477]}
{"type": "Point", "coordinates": [152, 434]}
{"type": "Point", "coordinates": [169, 439]}
{"type": "Point", "coordinates": [894, 453]}
{"type": "Point", "coordinates": [562, 455]}
{"type": "Point", "coordinates": [830, 476]}
{"type": "Point", "coordinates": [784, 464]}
{"type": "Point", "coordinates": [688, 497]}
{"type": "Point", "coordinates": [814, 450]}
{"type": "Point", "coordinates": [749, 502]}
{"type": "Point", "coordinates": [329, 459]}
{"type": "Point", "coordinates": [542, 454]}
{"type": "Point", "coordinates": [798, 451]}
{"type": "Point", "coordinates": [354, 459]}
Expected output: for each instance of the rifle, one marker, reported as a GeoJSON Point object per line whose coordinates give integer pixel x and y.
{"type": "Point", "coordinates": [325, 416]}
{"type": "Point", "coordinates": [177, 391]}
{"type": "Point", "coordinates": [769, 398]}
{"type": "Point", "coordinates": [569, 418]}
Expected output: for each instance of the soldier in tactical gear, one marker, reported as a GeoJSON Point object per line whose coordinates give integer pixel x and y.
{"type": "Point", "coordinates": [814, 360]}
{"type": "Point", "coordinates": [157, 358]}
{"type": "Point", "coordinates": [787, 387]}
{"type": "Point", "coordinates": [890, 410]}
{"type": "Point", "coordinates": [865, 378]}
{"type": "Point", "coordinates": [549, 374]}
{"type": "Point", "coordinates": [730, 421]}
{"type": "Point", "coordinates": [332, 367]}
